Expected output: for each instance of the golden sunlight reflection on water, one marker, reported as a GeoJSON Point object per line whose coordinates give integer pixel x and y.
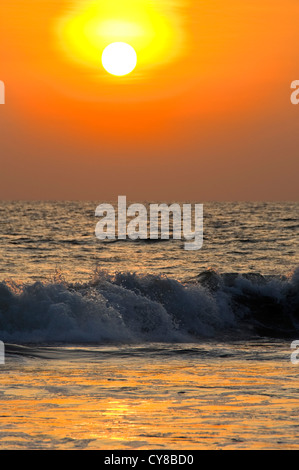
{"type": "Point", "coordinates": [172, 402]}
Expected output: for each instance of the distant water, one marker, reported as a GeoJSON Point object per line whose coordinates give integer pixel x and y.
{"type": "Point", "coordinates": [128, 345]}
{"type": "Point", "coordinates": [38, 237]}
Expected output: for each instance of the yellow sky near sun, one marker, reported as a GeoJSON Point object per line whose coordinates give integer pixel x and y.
{"type": "Point", "coordinates": [154, 31]}
{"type": "Point", "coordinates": [181, 44]}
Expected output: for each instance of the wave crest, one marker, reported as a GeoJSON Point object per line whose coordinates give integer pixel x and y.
{"type": "Point", "coordinates": [128, 307]}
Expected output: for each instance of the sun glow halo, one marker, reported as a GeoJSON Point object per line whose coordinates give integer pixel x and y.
{"type": "Point", "coordinates": [153, 31]}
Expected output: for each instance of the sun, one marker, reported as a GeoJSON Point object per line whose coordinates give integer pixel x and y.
{"type": "Point", "coordinates": [119, 58]}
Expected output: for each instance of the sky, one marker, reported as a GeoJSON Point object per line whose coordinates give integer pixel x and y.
{"type": "Point", "coordinates": [205, 115]}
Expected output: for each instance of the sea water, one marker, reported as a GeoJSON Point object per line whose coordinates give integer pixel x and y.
{"type": "Point", "coordinates": [128, 345]}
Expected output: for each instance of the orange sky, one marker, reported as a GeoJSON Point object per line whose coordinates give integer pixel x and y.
{"type": "Point", "coordinates": [206, 115]}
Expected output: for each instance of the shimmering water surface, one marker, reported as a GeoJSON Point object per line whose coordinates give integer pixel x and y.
{"type": "Point", "coordinates": [38, 237]}
{"type": "Point", "coordinates": [197, 396]}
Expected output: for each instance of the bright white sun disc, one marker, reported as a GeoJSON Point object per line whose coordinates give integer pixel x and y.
{"type": "Point", "coordinates": [119, 58]}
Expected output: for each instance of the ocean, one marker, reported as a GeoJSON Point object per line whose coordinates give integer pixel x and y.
{"type": "Point", "coordinates": [144, 345]}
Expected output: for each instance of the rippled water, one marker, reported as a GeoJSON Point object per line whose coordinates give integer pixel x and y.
{"type": "Point", "coordinates": [39, 237]}
{"type": "Point", "coordinates": [211, 395]}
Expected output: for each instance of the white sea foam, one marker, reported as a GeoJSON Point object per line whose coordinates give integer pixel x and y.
{"type": "Point", "coordinates": [133, 308]}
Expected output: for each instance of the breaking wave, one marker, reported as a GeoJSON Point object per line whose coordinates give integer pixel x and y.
{"type": "Point", "coordinates": [126, 307]}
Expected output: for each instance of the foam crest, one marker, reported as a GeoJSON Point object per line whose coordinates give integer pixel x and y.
{"type": "Point", "coordinates": [129, 308]}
